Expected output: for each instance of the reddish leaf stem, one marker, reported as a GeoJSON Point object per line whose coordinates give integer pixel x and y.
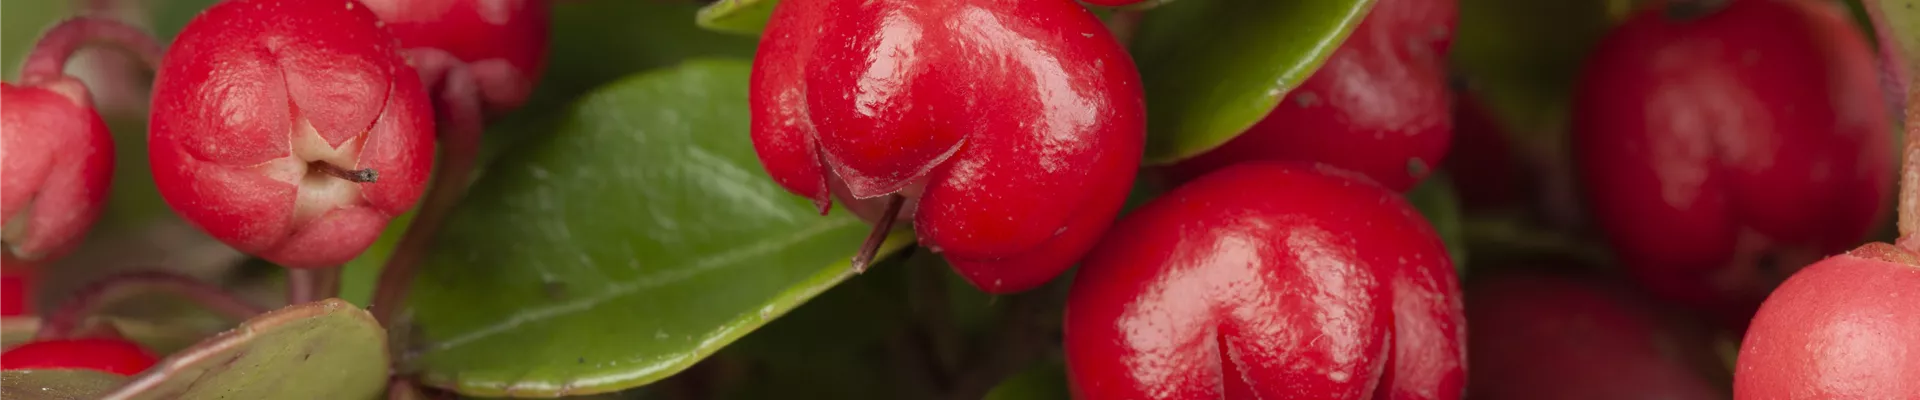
{"type": "Point", "coordinates": [460, 124]}
{"type": "Point", "coordinates": [90, 299]}
{"type": "Point", "coordinates": [878, 236]}
{"type": "Point", "coordinates": [309, 285]}
{"type": "Point", "coordinates": [48, 60]}
{"type": "Point", "coordinates": [1897, 71]}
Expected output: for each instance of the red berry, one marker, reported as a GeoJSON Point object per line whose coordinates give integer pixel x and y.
{"type": "Point", "coordinates": [1847, 327]}
{"type": "Point", "coordinates": [504, 42]}
{"type": "Point", "coordinates": [1268, 280]}
{"type": "Point", "coordinates": [1378, 106]}
{"type": "Point", "coordinates": [1482, 164]}
{"type": "Point", "coordinates": [1539, 336]}
{"type": "Point", "coordinates": [1014, 127]}
{"type": "Point", "coordinates": [16, 289]}
{"type": "Point", "coordinates": [57, 157]}
{"type": "Point", "coordinates": [1712, 144]}
{"type": "Point", "coordinates": [270, 115]}
{"type": "Point", "coordinates": [116, 356]}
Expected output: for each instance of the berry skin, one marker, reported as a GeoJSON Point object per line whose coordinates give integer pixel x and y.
{"type": "Point", "coordinates": [1268, 280]}
{"type": "Point", "coordinates": [16, 289]}
{"type": "Point", "coordinates": [269, 116]}
{"type": "Point", "coordinates": [1847, 327]}
{"type": "Point", "coordinates": [1541, 336]}
{"type": "Point", "coordinates": [1378, 106]}
{"type": "Point", "coordinates": [504, 42]}
{"type": "Point", "coordinates": [1720, 151]}
{"type": "Point", "coordinates": [115, 356]}
{"type": "Point", "coordinates": [57, 157]}
{"type": "Point", "coordinates": [1013, 128]}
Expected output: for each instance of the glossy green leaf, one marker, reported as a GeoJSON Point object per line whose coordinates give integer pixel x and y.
{"type": "Point", "coordinates": [323, 350]}
{"type": "Point", "coordinates": [635, 240]}
{"type": "Point", "coordinates": [56, 384]}
{"type": "Point", "coordinates": [1437, 202]}
{"type": "Point", "coordinates": [1212, 68]}
{"type": "Point", "coordinates": [745, 17]}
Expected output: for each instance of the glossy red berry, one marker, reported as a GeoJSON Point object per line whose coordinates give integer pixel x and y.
{"type": "Point", "coordinates": [116, 356]}
{"type": "Point", "coordinates": [1379, 106]}
{"type": "Point", "coordinates": [503, 42]}
{"type": "Point", "coordinates": [1014, 127]}
{"type": "Point", "coordinates": [1541, 336]}
{"type": "Point", "coordinates": [1847, 327]}
{"type": "Point", "coordinates": [1267, 280]}
{"type": "Point", "coordinates": [290, 129]}
{"type": "Point", "coordinates": [57, 157]}
{"type": "Point", "coordinates": [1719, 151]}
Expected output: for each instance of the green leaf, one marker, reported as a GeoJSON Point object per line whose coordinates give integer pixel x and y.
{"type": "Point", "coordinates": [1899, 20]}
{"type": "Point", "coordinates": [635, 240]}
{"type": "Point", "coordinates": [323, 350]}
{"type": "Point", "coordinates": [1437, 202]}
{"type": "Point", "coordinates": [1213, 68]}
{"type": "Point", "coordinates": [56, 384]}
{"type": "Point", "coordinates": [745, 17]}
{"type": "Point", "coordinates": [21, 26]}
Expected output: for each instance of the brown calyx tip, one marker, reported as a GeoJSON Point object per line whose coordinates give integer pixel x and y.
{"type": "Point", "coordinates": [365, 175]}
{"type": "Point", "coordinates": [878, 236]}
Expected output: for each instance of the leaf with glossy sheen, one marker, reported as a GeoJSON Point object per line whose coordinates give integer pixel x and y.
{"type": "Point", "coordinates": [56, 384]}
{"type": "Point", "coordinates": [1214, 67]}
{"type": "Point", "coordinates": [636, 239]}
{"type": "Point", "coordinates": [745, 17]}
{"type": "Point", "coordinates": [322, 350]}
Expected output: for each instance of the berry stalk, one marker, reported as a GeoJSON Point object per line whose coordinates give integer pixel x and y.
{"type": "Point", "coordinates": [49, 57]}
{"type": "Point", "coordinates": [85, 302]}
{"type": "Point", "coordinates": [461, 122]}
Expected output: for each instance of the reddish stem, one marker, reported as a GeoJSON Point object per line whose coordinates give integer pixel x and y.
{"type": "Point", "coordinates": [1910, 173]}
{"type": "Point", "coordinates": [1897, 70]}
{"type": "Point", "coordinates": [878, 236]}
{"type": "Point", "coordinates": [461, 122]}
{"type": "Point", "coordinates": [48, 60]}
{"type": "Point", "coordinates": [307, 285]}
{"type": "Point", "coordinates": [88, 300]}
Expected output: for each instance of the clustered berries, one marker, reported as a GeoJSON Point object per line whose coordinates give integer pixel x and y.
{"type": "Point", "coordinates": [1721, 146]}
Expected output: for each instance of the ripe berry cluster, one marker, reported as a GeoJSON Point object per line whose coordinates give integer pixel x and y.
{"type": "Point", "coordinates": [1731, 156]}
{"type": "Point", "coordinates": [291, 130]}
